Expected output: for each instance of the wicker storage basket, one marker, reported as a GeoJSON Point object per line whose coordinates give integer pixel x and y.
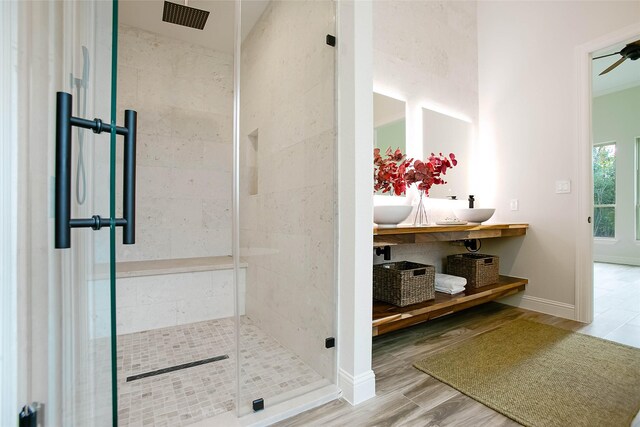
{"type": "Point", "coordinates": [479, 269]}
{"type": "Point", "coordinates": [404, 283]}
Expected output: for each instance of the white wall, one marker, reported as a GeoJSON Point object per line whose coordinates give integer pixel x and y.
{"type": "Point", "coordinates": [615, 118]}
{"type": "Point", "coordinates": [184, 97]}
{"type": "Point", "coordinates": [528, 130]}
{"type": "Point", "coordinates": [355, 205]}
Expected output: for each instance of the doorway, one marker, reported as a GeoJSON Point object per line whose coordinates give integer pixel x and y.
{"type": "Point", "coordinates": [615, 148]}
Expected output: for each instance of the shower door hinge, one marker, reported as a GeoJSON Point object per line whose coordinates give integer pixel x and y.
{"type": "Point", "coordinates": [329, 342]}
{"type": "Point", "coordinates": [258, 405]}
{"type": "Point", "coordinates": [31, 415]}
{"type": "Point", "coordinates": [331, 40]}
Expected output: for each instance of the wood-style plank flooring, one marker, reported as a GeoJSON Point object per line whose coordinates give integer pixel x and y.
{"type": "Point", "coordinates": [408, 397]}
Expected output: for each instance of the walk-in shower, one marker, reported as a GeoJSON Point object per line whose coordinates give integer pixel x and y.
{"type": "Point", "coordinates": [223, 301]}
{"type": "Point", "coordinates": [222, 304]}
{"type": "Point", "coordinates": [199, 332]}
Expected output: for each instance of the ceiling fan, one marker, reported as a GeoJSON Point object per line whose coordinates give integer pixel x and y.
{"type": "Point", "coordinates": [630, 51]}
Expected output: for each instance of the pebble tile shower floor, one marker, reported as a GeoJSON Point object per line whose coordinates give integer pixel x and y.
{"type": "Point", "coordinates": [183, 397]}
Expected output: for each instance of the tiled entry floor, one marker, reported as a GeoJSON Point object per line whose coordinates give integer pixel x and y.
{"type": "Point", "coordinates": [616, 303]}
{"type": "Point", "coordinates": [183, 397]}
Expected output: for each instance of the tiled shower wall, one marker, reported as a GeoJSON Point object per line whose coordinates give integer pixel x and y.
{"type": "Point", "coordinates": [287, 139]}
{"type": "Point", "coordinates": [184, 97]}
{"type": "Point", "coordinates": [166, 300]}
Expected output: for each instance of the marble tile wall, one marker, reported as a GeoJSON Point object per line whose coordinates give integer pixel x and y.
{"type": "Point", "coordinates": [428, 53]}
{"type": "Point", "coordinates": [184, 97]}
{"type": "Point", "coordinates": [287, 228]}
{"type": "Point", "coordinates": [159, 301]}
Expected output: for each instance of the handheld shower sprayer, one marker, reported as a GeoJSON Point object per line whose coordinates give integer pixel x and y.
{"type": "Point", "coordinates": [81, 111]}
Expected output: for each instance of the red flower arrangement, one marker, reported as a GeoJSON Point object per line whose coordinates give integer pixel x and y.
{"type": "Point", "coordinates": [388, 173]}
{"type": "Point", "coordinates": [397, 173]}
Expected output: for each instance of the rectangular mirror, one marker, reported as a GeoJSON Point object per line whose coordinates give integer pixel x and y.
{"type": "Point", "coordinates": [389, 123]}
{"type": "Point", "coordinates": [446, 134]}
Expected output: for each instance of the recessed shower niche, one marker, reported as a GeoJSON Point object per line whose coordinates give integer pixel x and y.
{"type": "Point", "coordinates": [252, 163]}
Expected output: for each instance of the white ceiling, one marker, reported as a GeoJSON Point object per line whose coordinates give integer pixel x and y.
{"type": "Point", "coordinates": [217, 34]}
{"type": "Point", "coordinates": [626, 75]}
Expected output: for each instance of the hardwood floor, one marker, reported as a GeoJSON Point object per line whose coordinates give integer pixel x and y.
{"type": "Point", "coordinates": [408, 397]}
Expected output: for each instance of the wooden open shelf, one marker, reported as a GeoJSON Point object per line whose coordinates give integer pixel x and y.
{"type": "Point", "coordinates": [444, 233]}
{"type": "Point", "coordinates": [388, 317]}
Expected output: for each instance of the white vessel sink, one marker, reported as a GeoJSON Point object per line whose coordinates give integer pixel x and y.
{"type": "Point", "coordinates": [390, 216]}
{"type": "Point", "coordinates": [473, 214]}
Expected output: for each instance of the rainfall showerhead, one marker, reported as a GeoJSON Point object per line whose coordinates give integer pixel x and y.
{"type": "Point", "coordinates": [184, 15]}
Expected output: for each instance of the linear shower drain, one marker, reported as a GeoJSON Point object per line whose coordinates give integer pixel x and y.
{"type": "Point", "coordinates": [176, 368]}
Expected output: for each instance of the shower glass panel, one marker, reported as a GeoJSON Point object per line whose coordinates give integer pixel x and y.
{"type": "Point", "coordinates": [201, 333]}
{"type": "Point", "coordinates": [87, 290]}
{"type": "Point", "coordinates": [175, 304]}
{"type": "Point", "coordinates": [286, 194]}
{"type": "Point", "coordinates": [65, 47]}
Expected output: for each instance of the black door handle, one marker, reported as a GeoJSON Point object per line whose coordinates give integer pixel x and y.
{"type": "Point", "coordinates": [63, 221]}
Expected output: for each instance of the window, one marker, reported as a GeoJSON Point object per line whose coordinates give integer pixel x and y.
{"type": "Point", "coordinates": [604, 190]}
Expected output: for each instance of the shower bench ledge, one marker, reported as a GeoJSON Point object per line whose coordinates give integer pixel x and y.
{"type": "Point", "coordinates": [174, 266]}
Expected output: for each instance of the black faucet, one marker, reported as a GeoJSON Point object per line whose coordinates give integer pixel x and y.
{"type": "Point", "coordinates": [472, 200]}
{"type": "Point", "coordinates": [386, 251]}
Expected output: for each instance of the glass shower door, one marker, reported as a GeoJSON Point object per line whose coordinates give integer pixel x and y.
{"type": "Point", "coordinates": [286, 202]}
{"type": "Point", "coordinates": [88, 294]}
{"type": "Point", "coordinates": [66, 50]}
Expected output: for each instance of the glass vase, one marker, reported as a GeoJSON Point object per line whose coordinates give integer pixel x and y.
{"type": "Point", "coordinates": [421, 212]}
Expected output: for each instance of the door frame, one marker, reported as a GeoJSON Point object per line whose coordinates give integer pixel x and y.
{"type": "Point", "coordinates": [584, 174]}
{"type": "Point", "coordinates": [8, 216]}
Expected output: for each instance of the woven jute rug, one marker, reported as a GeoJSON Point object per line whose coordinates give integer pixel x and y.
{"type": "Point", "coordinates": [540, 375]}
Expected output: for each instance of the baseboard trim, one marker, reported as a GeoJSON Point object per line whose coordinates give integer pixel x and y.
{"type": "Point", "coordinates": [616, 259]}
{"type": "Point", "coordinates": [541, 305]}
{"type": "Point", "coordinates": [357, 389]}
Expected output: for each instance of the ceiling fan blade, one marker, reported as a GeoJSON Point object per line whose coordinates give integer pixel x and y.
{"type": "Point", "coordinates": [615, 64]}
{"type": "Point", "coordinates": [604, 56]}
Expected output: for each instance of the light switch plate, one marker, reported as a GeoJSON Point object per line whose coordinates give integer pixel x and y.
{"type": "Point", "coordinates": [514, 204]}
{"type": "Point", "coordinates": [563, 186]}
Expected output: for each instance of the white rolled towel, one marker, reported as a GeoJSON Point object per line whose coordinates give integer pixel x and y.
{"type": "Point", "coordinates": [447, 281]}
{"type": "Point", "coordinates": [450, 291]}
